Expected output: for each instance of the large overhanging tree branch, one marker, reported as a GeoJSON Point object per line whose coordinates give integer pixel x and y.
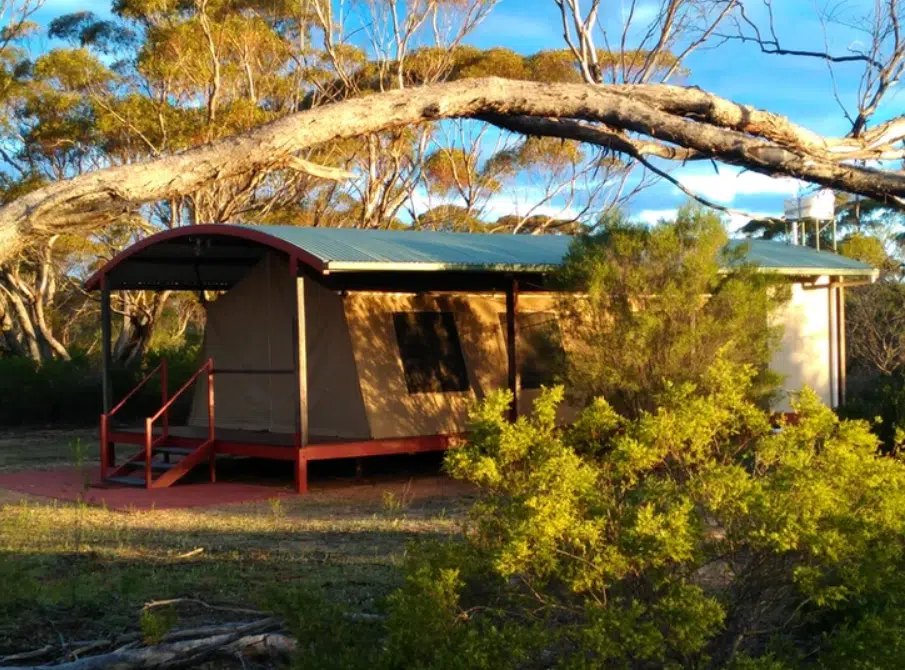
{"type": "Point", "coordinates": [651, 120]}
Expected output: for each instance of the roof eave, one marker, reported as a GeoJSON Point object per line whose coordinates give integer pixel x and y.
{"type": "Point", "coordinates": [248, 233]}
{"type": "Point", "coordinates": [428, 266]}
{"type": "Point", "coordinates": [814, 272]}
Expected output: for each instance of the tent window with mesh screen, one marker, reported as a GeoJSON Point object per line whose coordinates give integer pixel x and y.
{"type": "Point", "coordinates": [540, 350]}
{"type": "Point", "coordinates": [430, 352]}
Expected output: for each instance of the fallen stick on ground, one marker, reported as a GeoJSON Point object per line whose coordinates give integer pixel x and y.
{"type": "Point", "coordinates": [178, 648]}
{"type": "Point", "coordinates": [179, 654]}
{"type": "Point", "coordinates": [29, 655]}
{"type": "Point", "coordinates": [186, 653]}
{"type": "Point", "coordinates": [194, 601]}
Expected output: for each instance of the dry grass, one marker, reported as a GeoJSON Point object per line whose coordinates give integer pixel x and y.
{"type": "Point", "coordinates": [80, 572]}
{"type": "Point", "coordinates": [39, 449]}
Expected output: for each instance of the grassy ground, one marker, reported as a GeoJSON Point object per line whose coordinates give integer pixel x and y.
{"type": "Point", "coordinates": [43, 448]}
{"type": "Point", "coordinates": [77, 572]}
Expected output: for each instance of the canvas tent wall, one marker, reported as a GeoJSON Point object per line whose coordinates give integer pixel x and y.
{"type": "Point", "coordinates": [249, 328]}
{"type": "Point", "coordinates": [477, 324]}
{"type": "Point", "coordinates": [357, 376]}
{"type": "Point", "coordinates": [359, 379]}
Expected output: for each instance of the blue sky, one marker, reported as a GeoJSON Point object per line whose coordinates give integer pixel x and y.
{"type": "Point", "coordinates": [800, 88]}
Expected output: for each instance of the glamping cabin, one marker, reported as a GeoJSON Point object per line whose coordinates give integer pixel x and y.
{"type": "Point", "coordinates": [330, 343]}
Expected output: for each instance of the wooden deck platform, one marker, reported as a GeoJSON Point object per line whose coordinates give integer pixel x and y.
{"type": "Point", "coordinates": [279, 446]}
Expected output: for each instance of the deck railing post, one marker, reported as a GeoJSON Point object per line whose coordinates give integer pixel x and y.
{"type": "Point", "coordinates": [108, 454]}
{"type": "Point", "coordinates": [512, 337]}
{"type": "Point", "coordinates": [301, 471]}
{"type": "Point", "coordinates": [149, 439]}
{"type": "Point", "coordinates": [105, 438]}
{"type": "Point", "coordinates": [212, 464]}
{"type": "Point", "coordinates": [300, 364]}
{"type": "Point", "coordinates": [164, 390]}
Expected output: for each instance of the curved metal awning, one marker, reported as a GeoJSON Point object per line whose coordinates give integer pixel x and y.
{"type": "Point", "coordinates": [216, 256]}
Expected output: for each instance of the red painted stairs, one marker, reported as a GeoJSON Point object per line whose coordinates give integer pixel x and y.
{"type": "Point", "coordinates": [160, 464]}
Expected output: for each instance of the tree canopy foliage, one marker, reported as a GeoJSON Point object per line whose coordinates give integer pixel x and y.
{"type": "Point", "coordinates": [659, 304]}
{"type": "Point", "coordinates": [159, 78]}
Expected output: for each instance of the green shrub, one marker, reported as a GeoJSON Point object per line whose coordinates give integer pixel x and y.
{"type": "Point", "coordinates": [156, 624]}
{"type": "Point", "coordinates": [69, 392]}
{"type": "Point", "coordinates": [646, 306]}
{"type": "Point", "coordinates": [58, 391]}
{"type": "Point", "coordinates": [693, 535]}
{"type": "Point", "coordinates": [881, 401]}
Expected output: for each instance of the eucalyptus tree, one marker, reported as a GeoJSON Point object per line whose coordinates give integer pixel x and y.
{"type": "Point", "coordinates": [622, 104]}
{"type": "Point", "coordinates": [298, 111]}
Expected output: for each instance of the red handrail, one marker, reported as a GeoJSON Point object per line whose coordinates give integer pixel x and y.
{"type": "Point", "coordinates": [105, 417]}
{"type": "Point", "coordinates": [149, 422]}
{"type": "Point", "coordinates": [208, 365]}
{"type": "Point", "coordinates": [163, 376]}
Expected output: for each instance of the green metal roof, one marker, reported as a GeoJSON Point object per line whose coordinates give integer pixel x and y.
{"type": "Point", "coordinates": [789, 259]}
{"type": "Point", "coordinates": [351, 250]}
{"type": "Point", "coordinates": [355, 249]}
{"type": "Point", "coordinates": [218, 256]}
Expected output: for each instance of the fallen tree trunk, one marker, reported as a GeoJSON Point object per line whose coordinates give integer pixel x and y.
{"type": "Point", "coordinates": [180, 654]}
{"type": "Point", "coordinates": [698, 123]}
{"type": "Point", "coordinates": [178, 649]}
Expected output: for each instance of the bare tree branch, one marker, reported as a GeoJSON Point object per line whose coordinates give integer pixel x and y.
{"type": "Point", "coordinates": [687, 118]}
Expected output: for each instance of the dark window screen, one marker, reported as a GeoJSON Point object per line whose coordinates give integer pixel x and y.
{"type": "Point", "coordinates": [540, 351]}
{"type": "Point", "coordinates": [430, 351]}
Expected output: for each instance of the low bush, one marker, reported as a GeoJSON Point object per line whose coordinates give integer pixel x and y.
{"type": "Point", "coordinates": [690, 536]}
{"type": "Point", "coordinates": [69, 392]}
{"type": "Point", "coordinates": [881, 401]}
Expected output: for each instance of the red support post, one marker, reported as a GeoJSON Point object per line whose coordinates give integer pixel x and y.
{"type": "Point", "coordinates": [512, 338]}
{"type": "Point", "coordinates": [149, 449]}
{"type": "Point", "coordinates": [301, 471]}
{"type": "Point", "coordinates": [212, 464]}
{"type": "Point", "coordinates": [164, 391]}
{"type": "Point", "coordinates": [105, 441]}
{"type": "Point", "coordinates": [108, 455]}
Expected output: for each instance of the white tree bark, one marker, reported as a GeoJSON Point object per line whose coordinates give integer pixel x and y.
{"type": "Point", "coordinates": [669, 116]}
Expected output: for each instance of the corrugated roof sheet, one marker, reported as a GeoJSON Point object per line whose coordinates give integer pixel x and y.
{"type": "Point", "coordinates": [351, 249]}
{"type": "Point", "coordinates": [790, 259]}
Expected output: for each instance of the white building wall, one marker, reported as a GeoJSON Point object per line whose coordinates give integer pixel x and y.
{"type": "Point", "coordinates": [807, 353]}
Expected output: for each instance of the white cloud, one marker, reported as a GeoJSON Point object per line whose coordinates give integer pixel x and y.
{"type": "Point", "coordinates": [521, 201]}
{"type": "Point", "coordinates": [642, 15]}
{"type": "Point", "coordinates": [503, 204]}
{"type": "Point", "coordinates": [654, 216]}
{"type": "Point", "coordinates": [736, 221]}
{"type": "Point", "coordinates": [728, 184]}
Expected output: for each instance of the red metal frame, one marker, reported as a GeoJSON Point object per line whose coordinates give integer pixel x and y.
{"type": "Point", "coordinates": [313, 452]}
{"type": "Point", "coordinates": [107, 457]}
{"type": "Point", "coordinates": [221, 229]}
{"type": "Point", "coordinates": [202, 449]}
{"type": "Point", "coordinates": [207, 449]}
{"type": "Point", "coordinates": [184, 465]}
{"type": "Point", "coordinates": [383, 447]}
